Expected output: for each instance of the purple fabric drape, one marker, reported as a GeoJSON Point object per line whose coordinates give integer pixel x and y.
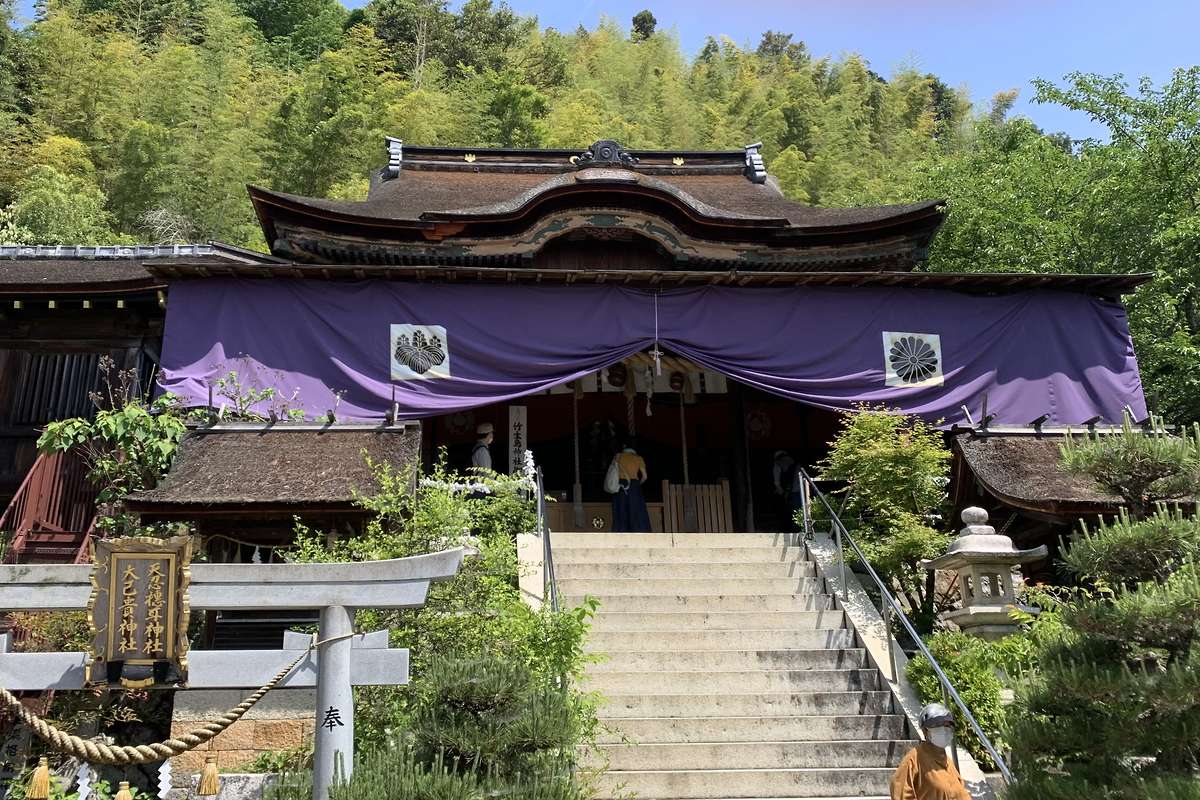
{"type": "Point", "coordinates": [1033, 353]}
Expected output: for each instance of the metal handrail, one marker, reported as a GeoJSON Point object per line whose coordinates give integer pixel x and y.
{"type": "Point", "coordinates": [890, 607]}
{"type": "Point", "coordinates": [549, 582]}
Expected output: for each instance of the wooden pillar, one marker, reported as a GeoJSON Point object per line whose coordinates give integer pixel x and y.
{"type": "Point", "coordinates": [743, 501]}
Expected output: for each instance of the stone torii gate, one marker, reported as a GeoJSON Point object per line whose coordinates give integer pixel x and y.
{"type": "Point", "coordinates": [335, 590]}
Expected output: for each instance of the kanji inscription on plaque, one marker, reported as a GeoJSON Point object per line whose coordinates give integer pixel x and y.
{"type": "Point", "coordinates": [139, 611]}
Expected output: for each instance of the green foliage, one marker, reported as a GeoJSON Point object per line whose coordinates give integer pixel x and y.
{"type": "Point", "coordinates": [101, 789]}
{"type": "Point", "coordinates": [127, 447]}
{"type": "Point", "coordinates": [1125, 552]}
{"type": "Point", "coordinates": [970, 663]}
{"type": "Point", "coordinates": [396, 774]}
{"type": "Point", "coordinates": [643, 25]}
{"type": "Point", "coordinates": [1142, 468]}
{"type": "Point", "coordinates": [56, 208]}
{"type": "Point", "coordinates": [479, 727]}
{"type": "Point", "coordinates": [1109, 701]}
{"type": "Point", "coordinates": [895, 469]}
{"type": "Point", "coordinates": [479, 614]}
{"type": "Point", "coordinates": [1114, 703]}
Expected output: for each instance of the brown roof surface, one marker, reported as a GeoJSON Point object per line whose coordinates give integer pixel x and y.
{"type": "Point", "coordinates": [59, 272]}
{"type": "Point", "coordinates": [420, 194]}
{"type": "Point", "coordinates": [274, 467]}
{"type": "Point", "coordinates": [63, 275]}
{"type": "Point", "coordinates": [1024, 471]}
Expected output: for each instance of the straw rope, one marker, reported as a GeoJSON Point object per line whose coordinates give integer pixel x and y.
{"type": "Point", "coordinates": [100, 753]}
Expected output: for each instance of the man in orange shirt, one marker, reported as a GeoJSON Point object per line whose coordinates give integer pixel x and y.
{"type": "Point", "coordinates": [925, 773]}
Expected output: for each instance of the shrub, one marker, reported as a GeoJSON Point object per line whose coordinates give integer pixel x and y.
{"type": "Point", "coordinates": [970, 663]}
{"type": "Point", "coordinates": [1143, 468]}
{"type": "Point", "coordinates": [1126, 552]}
{"type": "Point", "coordinates": [479, 613]}
{"type": "Point", "coordinates": [1113, 709]}
{"type": "Point", "coordinates": [896, 469]}
{"type": "Point", "coordinates": [478, 728]}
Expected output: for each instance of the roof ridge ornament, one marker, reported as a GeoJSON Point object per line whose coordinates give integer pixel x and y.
{"type": "Point", "coordinates": [395, 151]}
{"type": "Point", "coordinates": [605, 153]}
{"type": "Point", "coordinates": [756, 170]}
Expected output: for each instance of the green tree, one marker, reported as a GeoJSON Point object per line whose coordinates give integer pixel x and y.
{"type": "Point", "coordinates": [1143, 468]}
{"type": "Point", "coordinates": [643, 25]}
{"type": "Point", "coordinates": [895, 469]}
{"type": "Point", "coordinates": [1112, 708]}
{"type": "Point", "coordinates": [127, 447]}
{"type": "Point", "coordinates": [329, 125]}
{"type": "Point", "coordinates": [56, 208]}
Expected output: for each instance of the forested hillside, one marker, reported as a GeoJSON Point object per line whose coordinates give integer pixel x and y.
{"type": "Point", "coordinates": [142, 120]}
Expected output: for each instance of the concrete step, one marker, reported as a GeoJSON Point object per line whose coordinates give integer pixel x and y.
{"type": "Point", "coordinates": [745, 783]}
{"type": "Point", "coordinates": [731, 660]}
{"type": "Point", "coordinates": [753, 570]}
{"type": "Point", "coordinates": [717, 620]}
{"type": "Point", "coordinates": [753, 755]}
{"type": "Point", "coordinates": [668, 554]}
{"type": "Point", "coordinates": [653, 730]}
{"type": "Point", "coordinates": [641, 587]}
{"type": "Point", "coordinates": [566, 540]}
{"type": "Point", "coordinates": [718, 682]}
{"type": "Point", "coordinates": [742, 704]}
{"type": "Point", "coordinates": [616, 642]}
{"type": "Point", "coordinates": [706, 603]}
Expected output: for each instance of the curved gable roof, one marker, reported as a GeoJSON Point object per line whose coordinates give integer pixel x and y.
{"type": "Point", "coordinates": [455, 196]}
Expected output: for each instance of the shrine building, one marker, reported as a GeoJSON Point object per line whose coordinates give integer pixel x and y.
{"type": "Point", "coordinates": [574, 300]}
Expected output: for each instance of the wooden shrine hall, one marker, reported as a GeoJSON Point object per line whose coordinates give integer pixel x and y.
{"type": "Point", "coordinates": [574, 300]}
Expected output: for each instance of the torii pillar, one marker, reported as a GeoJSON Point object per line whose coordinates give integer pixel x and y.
{"type": "Point", "coordinates": [336, 590]}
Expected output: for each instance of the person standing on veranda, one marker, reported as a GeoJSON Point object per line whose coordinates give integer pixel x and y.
{"type": "Point", "coordinates": [926, 772]}
{"type": "Point", "coordinates": [630, 514]}
{"type": "Point", "coordinates": [481, 456]}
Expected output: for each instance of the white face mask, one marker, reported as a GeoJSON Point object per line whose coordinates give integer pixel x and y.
{"type": "Point", "coordinates": [940, 736]}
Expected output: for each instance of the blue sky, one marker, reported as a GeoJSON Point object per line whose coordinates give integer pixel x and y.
{"type": "Point", "coordinates": [985, 45]}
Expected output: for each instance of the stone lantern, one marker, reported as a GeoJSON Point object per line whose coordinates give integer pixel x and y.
{"type": "Point", "coordinates": [987, 565]}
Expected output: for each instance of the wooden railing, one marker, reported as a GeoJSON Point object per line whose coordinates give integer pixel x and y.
{"type": "Point", "coordinates": [697, 507]}
{"type": "Point", "coordinates": [52, 513]}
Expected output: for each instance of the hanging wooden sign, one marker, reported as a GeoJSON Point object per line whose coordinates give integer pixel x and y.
{"type": "Point", "coordinates": [138, 612]}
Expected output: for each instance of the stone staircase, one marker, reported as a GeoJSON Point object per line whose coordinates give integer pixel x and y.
{"type": "Point", "coordinates": [730, 671]}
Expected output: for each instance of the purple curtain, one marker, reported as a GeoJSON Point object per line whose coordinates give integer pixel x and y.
{"type": "Point", "coordinates": [443, 347]}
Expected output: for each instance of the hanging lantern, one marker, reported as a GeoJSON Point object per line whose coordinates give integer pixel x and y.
{"type": "Point", "coordinates": [618, 375]}
{"type": "Point", "coordinates": [678, 381]}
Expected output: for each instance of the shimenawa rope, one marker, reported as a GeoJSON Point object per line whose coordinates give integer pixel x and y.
{"type": "Point", "coordinates": [100, 753]}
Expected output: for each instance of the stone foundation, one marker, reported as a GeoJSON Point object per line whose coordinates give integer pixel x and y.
{"type": "Point", "coordinates": [283, 720]}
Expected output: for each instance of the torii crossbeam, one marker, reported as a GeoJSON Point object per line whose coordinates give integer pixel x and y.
{"type": "Point", "coordinates": [335, 590]}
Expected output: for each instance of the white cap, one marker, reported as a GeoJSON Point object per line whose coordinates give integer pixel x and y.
{"type": "Point", "coordinates": [484, 428]}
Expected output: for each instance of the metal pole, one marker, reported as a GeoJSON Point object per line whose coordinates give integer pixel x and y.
{"type": "Point", "coordinates": [954, 741]}
{"type": "Point", "coordinates": [837, 529]}
{"type": "Point", "coordinates": [806, 502]}
{"type": "Point", "coordinates": [887, 631]}
{"type": "Point", "coordinates": [334, 756]}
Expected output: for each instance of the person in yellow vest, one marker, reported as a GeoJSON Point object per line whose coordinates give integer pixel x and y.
{"type": "Point", "coordinates": [629, 503]}
{"type": "Point", "coordinates": [925, 772]}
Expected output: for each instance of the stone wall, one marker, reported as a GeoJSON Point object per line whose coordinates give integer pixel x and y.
{"type": "Point", "coordinates": [283, 720]}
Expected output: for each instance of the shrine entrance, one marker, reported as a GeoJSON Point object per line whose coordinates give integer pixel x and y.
{"type": "Point", "coordinates": [709, 443]}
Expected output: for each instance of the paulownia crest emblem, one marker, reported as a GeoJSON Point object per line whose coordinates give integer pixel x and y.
{"type": "Point", "coordinates": [419, 352]}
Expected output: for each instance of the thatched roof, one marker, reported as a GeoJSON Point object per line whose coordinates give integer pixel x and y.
{"type": "Point", "coordinates": [277, 468]}
{"type": "Point", "coordinates": [1024, 471]}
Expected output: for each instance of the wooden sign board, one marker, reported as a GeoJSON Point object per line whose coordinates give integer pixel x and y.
{"type": "Point", "coordinates": [138, 612]}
